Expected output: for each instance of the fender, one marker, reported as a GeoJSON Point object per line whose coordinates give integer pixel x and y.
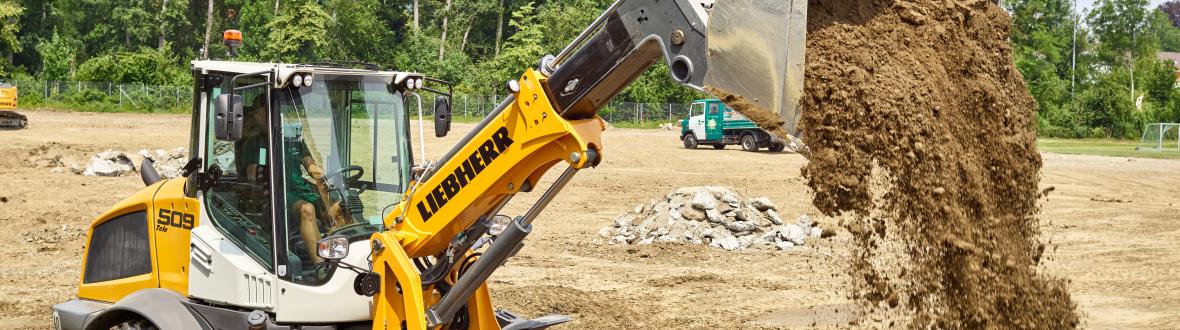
{"type": "Point", "coordinates": [164, 308]}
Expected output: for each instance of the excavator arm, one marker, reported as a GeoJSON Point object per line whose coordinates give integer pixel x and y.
{"type": "Point", "coordinates": [427, 272]}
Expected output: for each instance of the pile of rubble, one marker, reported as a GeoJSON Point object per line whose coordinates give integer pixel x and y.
{"type": "Point", "coordinates": [117, 163]}
{"type": "Point", "coordinates": [716, 216]}
{"type": "Point", "coordinates": [668, 126]}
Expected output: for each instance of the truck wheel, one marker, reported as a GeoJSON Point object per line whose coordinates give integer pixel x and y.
{"type": "Point", "coordinates": [718, 146]}
{"type": "Point", "coordinates": [748, 142]}
{"type": "Point", "coordinates": [690, 141]}
{"type": "Point", "coordinates": [24, 123]}
{"type": "Point", "coordinates": [777, 147]}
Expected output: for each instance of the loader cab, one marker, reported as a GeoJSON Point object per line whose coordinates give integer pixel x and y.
{"type": "Point", "coordinates": [290, 155]}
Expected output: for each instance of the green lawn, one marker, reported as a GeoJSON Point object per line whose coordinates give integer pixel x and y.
{"type": "Point", "coordinates": [1104, 147]}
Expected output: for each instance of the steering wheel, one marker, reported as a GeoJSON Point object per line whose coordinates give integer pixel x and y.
{"type": "Point", "coordinates": [348, 179]}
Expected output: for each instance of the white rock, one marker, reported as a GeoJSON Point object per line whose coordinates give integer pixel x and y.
{"type": "Point", "coordinates": [773, 216]}
{"type": "Point", "coordinates": [604, 232]}
{"type": "Point", "coordinates": [740, 226]}
{"type": "Point", "coordinates": [704, 200]}
{"type": "Point", "coordinates": [817, 232]}
{"type": "Point", "coordinates": [714, 216]}
{"type": "Point", "coordinates": [645, 241]}
{"type": "Point", "coordinates": [763, 204]}
{"type": "Point", "coordinates": [618, 239]}
{"type": "Point", "coordinates": [804, 221]}
{"type": "Point", "coordinates": [784, 245]}
{"type": "Point", "coordinates": [793, 233]}
{"type": "Point", "coordinates": [639, 209]}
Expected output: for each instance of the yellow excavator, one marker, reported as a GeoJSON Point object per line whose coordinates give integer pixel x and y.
{"type": "Point", "coordinates": [302, 206]}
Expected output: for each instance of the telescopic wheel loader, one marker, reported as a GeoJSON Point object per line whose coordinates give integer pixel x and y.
{"type": "Point", "coordinates": [303, 208]}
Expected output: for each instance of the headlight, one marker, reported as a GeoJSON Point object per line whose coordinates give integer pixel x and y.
{"type": "Point", "coordinates": [333, 248]}
{"type": "Point", "coordinates": [307, 80]}
{"type": "Point", "coordinates": [296, 80]}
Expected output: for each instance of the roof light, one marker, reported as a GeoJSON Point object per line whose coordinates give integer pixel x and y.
{"type": "Point", "coordinates": [296, 80]}
{"type": "Point", "coordinates": [418, 83]}
{"type": "Point", "coordinates": [307, 80]}
{"type": "Point", "coordinates": [232, 40]}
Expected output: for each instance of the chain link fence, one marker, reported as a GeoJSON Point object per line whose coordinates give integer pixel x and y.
{"type": "Point", "coordinates": [615, 112]}
{"type": "Point", "coordinates": [175, 98]}
{"type": "Point", "coordinates": [105, 94]}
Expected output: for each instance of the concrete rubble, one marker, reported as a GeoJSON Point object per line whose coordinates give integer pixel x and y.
{"type": "Point", "coordinates": [713, 216]}
{"type": "Point", "coordinates": [117, 163]}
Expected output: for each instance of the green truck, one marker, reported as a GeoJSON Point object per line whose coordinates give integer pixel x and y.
{"type": "Point", "coordinates": [709, 124]}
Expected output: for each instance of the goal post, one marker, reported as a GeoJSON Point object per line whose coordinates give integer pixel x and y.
{"type": "Point", "coordinates": [1160, 137]}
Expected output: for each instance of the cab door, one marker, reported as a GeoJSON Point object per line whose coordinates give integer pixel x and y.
{"type": "Point", "coordinates": [714, 117]}
{"type": "Point", "coordinates": [696, 120]}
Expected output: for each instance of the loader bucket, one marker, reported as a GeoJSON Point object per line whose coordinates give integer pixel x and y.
{"type": "Point", "coordinates": [755, 61]}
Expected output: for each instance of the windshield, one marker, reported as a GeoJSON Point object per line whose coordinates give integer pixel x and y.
{"type": "Point", "coordinates": [345, 162]}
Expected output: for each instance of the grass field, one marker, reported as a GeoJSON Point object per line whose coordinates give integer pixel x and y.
{"type": "Point", "coordinates": [1104, 147]}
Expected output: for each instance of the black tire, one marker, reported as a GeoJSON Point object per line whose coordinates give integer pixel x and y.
{"type": "Point", "coordinates": [136, 324]}
{"type": "Point", "coordinates": [749, 143]}
{"type": "Point", "coordinates": [690, 141]}
{"type": "Point", "coordinates": [718, 146]}
{"type": "Point", "coordinates": [778, 147]}
{"type": "Point", "coordinates": [24, 123]}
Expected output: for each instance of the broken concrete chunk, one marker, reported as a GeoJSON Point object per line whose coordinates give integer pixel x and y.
{"type": "Point", "coordinates": [763, 204]}
{"type": "Point", "coordinates": [704, 200]}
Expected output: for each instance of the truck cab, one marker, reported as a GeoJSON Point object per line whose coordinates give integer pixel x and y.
{"type": "Point", "coordinates": [710, 122]}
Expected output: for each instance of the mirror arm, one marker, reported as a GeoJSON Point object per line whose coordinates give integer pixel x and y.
{"type": "Point", "coordinates": [421, 127]}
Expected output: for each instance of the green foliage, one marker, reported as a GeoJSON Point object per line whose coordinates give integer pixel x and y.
{"type": "Point", "coordinates": [10, 12]}
{"type": "Point", "coordinates": [299, 35]}
{"type": "Point", "coordinates": [58, 57]}
{"type": "Point", "coordinates": [146, 66]}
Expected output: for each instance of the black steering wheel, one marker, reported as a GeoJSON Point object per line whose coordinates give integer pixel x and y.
{"type": "Point", "coordinates": [348, 179]}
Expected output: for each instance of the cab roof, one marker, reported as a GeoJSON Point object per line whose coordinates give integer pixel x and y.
{"type": "Point", "coordinates": [283, 71]}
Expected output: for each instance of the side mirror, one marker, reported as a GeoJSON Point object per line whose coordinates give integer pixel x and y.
{"type": "Point", "coordinates": [227, 119]}
{"type": "Point", "coordinates": [442, 116]}
{"type": "Point", "coordinates": [332, 248]}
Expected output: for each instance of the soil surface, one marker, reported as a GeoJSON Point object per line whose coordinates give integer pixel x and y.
{"type": "Point", "coordinates": [923, 139]}
{"type": "Point", "coordinates": [1119, 256]}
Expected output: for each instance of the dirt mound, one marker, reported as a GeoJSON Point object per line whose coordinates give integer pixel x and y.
{"type": "Point", "coordinates": [923, 139]}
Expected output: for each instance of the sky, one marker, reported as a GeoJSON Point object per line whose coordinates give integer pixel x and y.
{"type": "Point", "coordinates": [1086, 4]}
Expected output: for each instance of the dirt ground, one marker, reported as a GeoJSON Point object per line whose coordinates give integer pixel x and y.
{"type": "Point", "coordinates": [1110, 221]}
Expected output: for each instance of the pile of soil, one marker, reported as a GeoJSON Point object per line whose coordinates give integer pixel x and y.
{"type": "Point", "coordinates": [922, 138]}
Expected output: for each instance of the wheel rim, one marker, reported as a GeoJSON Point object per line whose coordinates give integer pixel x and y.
{"type": "Point", "coordinates": [690, 142]}
{"type": "Point", "coordinates": [748, 143]}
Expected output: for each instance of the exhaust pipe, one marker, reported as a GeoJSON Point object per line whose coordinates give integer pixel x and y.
{"type": "Point", "coordinates": [147, 172]}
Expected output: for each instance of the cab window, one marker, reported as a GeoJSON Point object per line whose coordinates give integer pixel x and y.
{"type": "Point", "coordinates": [240, 204]}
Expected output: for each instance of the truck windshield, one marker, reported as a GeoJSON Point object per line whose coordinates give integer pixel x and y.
{"type": "Point", "coordinates": [345, 162]}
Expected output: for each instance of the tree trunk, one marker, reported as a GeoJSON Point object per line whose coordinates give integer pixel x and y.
{"type": "Point", "coordinates": [463, 45]}
{"type": "Point", "coordinates": [499, 26]}
{"type": "Point", "coordinates": [276, 8]}
{"type": "Point", "coordinates": [208, 30]}
{"type": "Point", "coordinates": [415, 16]}
{"type": "Point", "coordinates": [442, 45]}
{"type": "Point", "coordinates": [163, 22]}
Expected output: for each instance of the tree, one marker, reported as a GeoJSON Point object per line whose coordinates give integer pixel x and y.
{"type": "Point", "coordinates": [299, 35]}
{"type": "Point", "coordinates": [58, 56]}
{"type": "Point", "coordinates": [10, 12]}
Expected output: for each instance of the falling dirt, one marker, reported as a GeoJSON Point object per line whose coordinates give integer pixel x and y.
{"type": "Point", "coordinates": [923, 140]}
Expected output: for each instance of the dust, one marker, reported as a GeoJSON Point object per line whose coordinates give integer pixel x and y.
{"type": "Point", "coordinates": [923, 140]}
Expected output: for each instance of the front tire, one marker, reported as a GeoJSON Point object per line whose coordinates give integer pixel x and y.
{"type": "Point", "coordinates": [749, 143]}
{"type": "Point", "coordinates": [690, 141]}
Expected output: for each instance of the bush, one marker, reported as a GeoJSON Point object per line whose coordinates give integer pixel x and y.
{"type": "Point", "coordinates": [84, 96]}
